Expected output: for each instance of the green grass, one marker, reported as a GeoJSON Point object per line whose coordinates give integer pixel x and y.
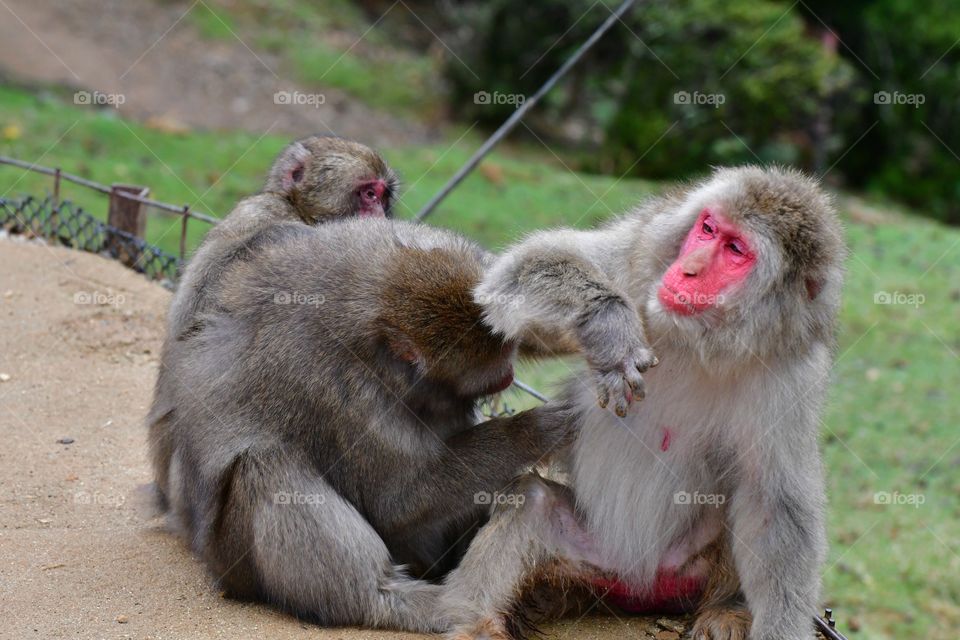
{"type": "Point", "coordinates": [333, 44]}
{"type": "Point", "coordinates": [892, 417]}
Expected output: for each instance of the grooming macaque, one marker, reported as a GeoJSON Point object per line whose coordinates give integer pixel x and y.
{"type": "Point", "coordinates": [714, 481]}
{"type": "Point", "coordinates": [325, 427]}
{"type": "Point", "coordinates": [313, 180]}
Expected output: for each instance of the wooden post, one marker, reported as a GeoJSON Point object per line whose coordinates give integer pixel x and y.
{"type": "Point", "coordinates": [129, 216]}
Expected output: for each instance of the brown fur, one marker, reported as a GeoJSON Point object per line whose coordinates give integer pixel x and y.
{"type": "Point", "coordinates": [329, 169]}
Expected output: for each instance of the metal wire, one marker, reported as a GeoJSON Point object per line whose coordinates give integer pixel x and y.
{"type": "Point", "coordinates": [521, 111]}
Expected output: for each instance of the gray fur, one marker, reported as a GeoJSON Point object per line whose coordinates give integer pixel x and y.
{"type": "Point", "coordinates": [328, 170]}
{"type": "Point", "coordinates": [740, 387]}
{"type": "Point", "coordinates": [306, 463]}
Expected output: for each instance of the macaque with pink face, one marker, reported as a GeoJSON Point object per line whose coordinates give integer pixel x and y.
{"type": "Point", "coordinates": [703, 488]}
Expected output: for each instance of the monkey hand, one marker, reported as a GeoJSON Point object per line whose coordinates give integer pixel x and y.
{"type": "Point", "coordinates": [615, 346]}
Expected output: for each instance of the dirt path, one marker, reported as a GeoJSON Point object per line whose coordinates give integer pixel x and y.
{"type": "Point", "coordinates": [151, 54]}
{"type": "Point", "coordinates": [83, 553]}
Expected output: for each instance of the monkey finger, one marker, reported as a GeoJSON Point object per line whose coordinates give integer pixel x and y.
{"type": "Point", "coordinates": [603, 394]}
{"type": "Point", "coordinates": [635, 382]}
{"type": "Point", "coordinates": [644, 359]}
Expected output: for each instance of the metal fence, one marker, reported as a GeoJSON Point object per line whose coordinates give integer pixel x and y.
{"type": "Point", "coordinates": [67, 224]}
{"type": "Point", "coordinates": [121, 236]}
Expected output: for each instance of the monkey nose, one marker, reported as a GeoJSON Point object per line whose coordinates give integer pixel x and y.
{"type": "Point", "coordinates": [373, 190]}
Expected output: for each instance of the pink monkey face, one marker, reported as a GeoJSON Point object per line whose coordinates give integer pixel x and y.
{"type": "Point", "coordinates": [715, 256]}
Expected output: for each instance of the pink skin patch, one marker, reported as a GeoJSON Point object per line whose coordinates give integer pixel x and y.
{"type": "Point", "coordinates": [714, 257]}
{"type": "Point", "coordinates": [671, 592]}
{"type": "Point", "coordinates": [665, 443]}
{"type": "Point", "coordinates": [371, 199]}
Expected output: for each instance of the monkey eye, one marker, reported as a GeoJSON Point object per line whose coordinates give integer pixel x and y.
{"type": "Point", "coordinates": [735, 247]}
{"type": "Point", "coordinates": [708, 227]}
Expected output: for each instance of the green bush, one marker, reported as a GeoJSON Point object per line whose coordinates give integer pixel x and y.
{"type": "Point", "coordinates": [683, 85]}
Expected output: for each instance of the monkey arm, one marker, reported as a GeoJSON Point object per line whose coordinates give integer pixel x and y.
{"type": "Point", "coordinates": [471, 466]}
{"type": "Point", "coordinates": [558, 284]}
{"type": "Point", "coordinates": [778, 529]}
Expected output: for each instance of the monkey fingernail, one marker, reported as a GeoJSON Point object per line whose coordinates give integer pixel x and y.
{"type": "Point", "coordinates": [656, 361]}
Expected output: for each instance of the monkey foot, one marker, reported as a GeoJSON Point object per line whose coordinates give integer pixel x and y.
{"type": "Point", "coordinates": [487, 629]}
{"type": "Point", "coordinates": [721, 624]}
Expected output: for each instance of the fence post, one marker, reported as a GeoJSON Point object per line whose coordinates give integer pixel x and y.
{"type": "Point", "coordinates": [129, 216]}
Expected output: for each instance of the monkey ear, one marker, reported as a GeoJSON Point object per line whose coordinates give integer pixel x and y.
{"type": "Point", "coordinates": [294, 165]}
{"type": "Point", "coordinates": [814, 286]}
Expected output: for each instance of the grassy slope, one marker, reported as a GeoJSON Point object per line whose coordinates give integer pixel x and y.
{"type": "Point", "coordinates": [892, 416]}
{"type": "Point", "coordinates": [332, 44]}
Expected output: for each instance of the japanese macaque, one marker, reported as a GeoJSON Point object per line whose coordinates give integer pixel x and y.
{"type": "Point", "coordinates": [313, 180]}
{"type": "Point", "coordinates": [324, 454]}
{"type": "Point", "coordinates": [711, 488]}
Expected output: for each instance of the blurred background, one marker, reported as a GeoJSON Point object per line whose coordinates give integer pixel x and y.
{"type": "Point", "coordinates": [193, 99]}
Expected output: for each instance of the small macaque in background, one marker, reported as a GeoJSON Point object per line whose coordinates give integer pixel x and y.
{"type": "Point", "coordinates": [313, 180]}
{"type": "Point", "coordinates": [324, 455]}
{"type": "Point", "coordinates": [710, 491]}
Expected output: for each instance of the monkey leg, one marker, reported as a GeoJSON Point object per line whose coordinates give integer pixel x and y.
{"type": "Point", "coordinates": [537, 539]}
{"type": "Point", "coordinates": [284, 535]}
{"type": "Point", "coordinates": [723, 613]}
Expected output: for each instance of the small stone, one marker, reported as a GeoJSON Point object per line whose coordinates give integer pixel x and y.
{"type": "Point", "coordinates": [4, 377]}
{"type": "Point", "coordinates": [8, 293]}
{"type": "Point", "coordinates": [72, 477]}
{"type": "Point", "coordinates": [65, 441]}
{"type": "Point", "coordinates": [668, 635]}
{"type": "Point", "coordinates": [672, 625]}
{"type": "Point", "coordinates": [121, 619]}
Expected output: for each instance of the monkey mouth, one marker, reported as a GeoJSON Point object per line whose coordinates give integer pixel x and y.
{"type": "Point", "coordinates": [677, 301]}
{"type": "Point", "coordinates": [501, 385]}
